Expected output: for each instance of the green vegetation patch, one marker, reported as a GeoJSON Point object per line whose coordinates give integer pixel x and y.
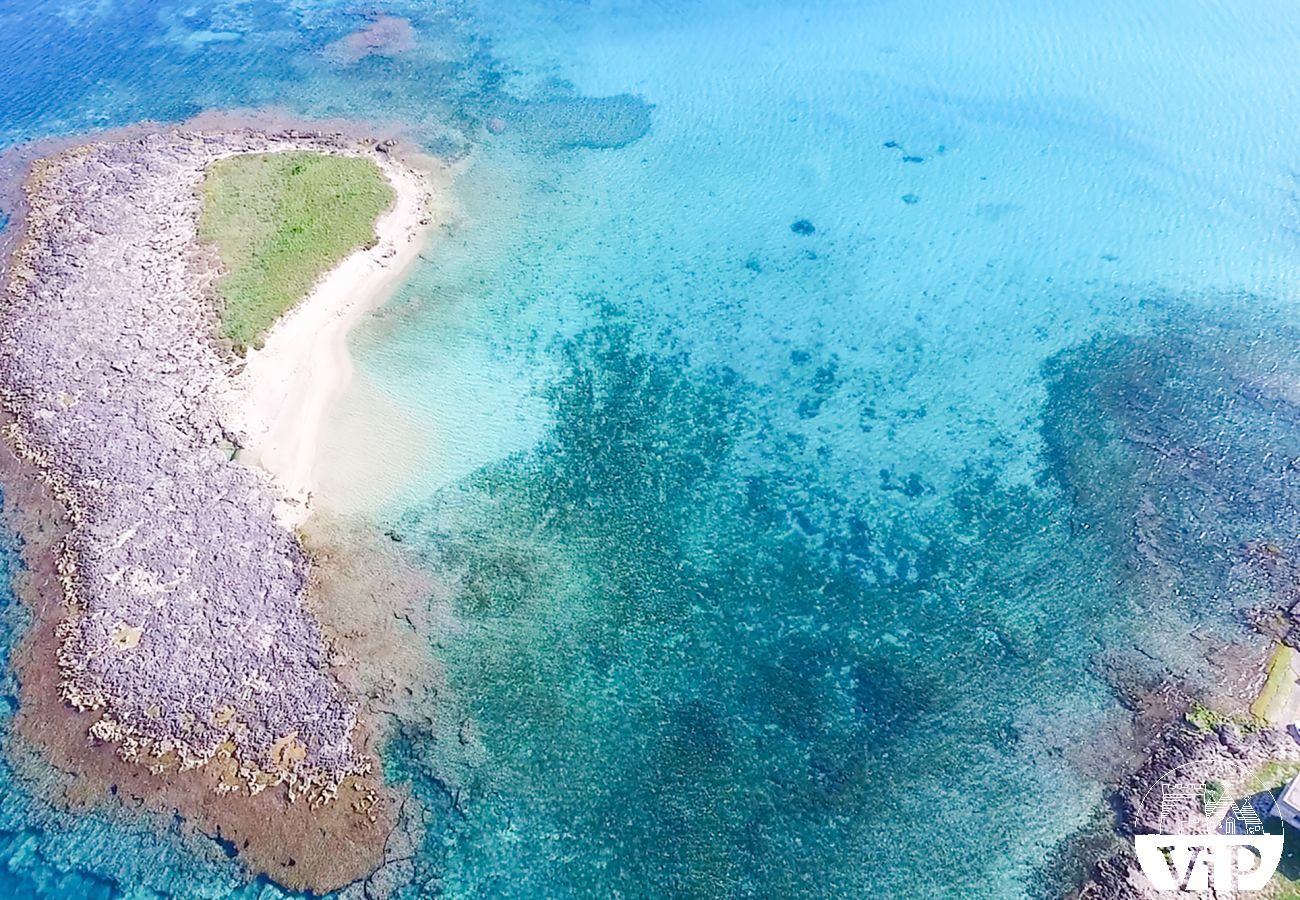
{"type": "Point", "coordinates": [1272, 699]}
{"type": "Point", "coordinates": [1204, 719]}
{"type": "Point", "coordinates": [280, 221]}
{"type": "Point", "coordinates": [1211, 793]}
{"type": "Point", "coordinates": [1274, 774]}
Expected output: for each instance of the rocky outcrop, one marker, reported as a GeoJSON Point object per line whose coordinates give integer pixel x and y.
{"type": "Point", "coordinates": [1178, 450]}
{"type": "Point", "coordinates": [186, 628]}
{"type": "Point", "coordinates": [1180, 764]}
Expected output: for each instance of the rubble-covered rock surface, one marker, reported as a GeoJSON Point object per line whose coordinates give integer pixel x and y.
{"type": "Point", "coordinates": [186, 624]}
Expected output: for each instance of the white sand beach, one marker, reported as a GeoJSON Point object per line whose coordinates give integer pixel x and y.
{"type": "Point", "coordinates": [280, 397]}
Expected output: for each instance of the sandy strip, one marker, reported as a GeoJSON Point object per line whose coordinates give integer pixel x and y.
{"type": "Point", "coordinates": [279, 399]}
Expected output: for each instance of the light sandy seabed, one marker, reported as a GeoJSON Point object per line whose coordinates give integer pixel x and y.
{"type": "Point", "coordinates": [278, 401]}
{"type": "Point", "coordinates": [372, 448]}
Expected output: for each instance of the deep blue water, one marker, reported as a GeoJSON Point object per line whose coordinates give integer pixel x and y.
{"type": "Point", "coordinates": [781, 560]}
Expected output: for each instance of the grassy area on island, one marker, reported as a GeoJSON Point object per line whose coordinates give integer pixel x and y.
{"type": "Point", "coordinates": [280, 221]}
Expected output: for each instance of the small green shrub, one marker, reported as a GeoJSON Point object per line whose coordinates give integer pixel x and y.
{"type": "Point", "coordinates": [1211, 793]}
{"type": "Point", "coordinates": [1202, 718]}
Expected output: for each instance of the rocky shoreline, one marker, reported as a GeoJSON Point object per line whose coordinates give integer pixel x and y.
{"type": "Point", "coordinates": [1186, 745]}
{"type": "Point", "coordinates": [1182, 761]}
{"type": "Point", "coordinates": [1183, 746]}
{"type": "Point", "coordinates": [169, 600]}
{"type": "Point", "coordinates": [1175, 448]}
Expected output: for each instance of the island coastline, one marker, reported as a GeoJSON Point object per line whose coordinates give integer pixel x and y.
{"type": "Point", "coordinates": [317, 842]}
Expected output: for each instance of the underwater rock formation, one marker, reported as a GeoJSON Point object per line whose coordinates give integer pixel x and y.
{"type": "Point", "coordinates": [1180, 451]}
{"type": "Point", "coordinates": [562, 120]}
{"type": "Point", "coordinates": [384, 36]}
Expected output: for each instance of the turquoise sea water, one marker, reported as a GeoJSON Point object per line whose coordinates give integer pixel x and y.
{"type": "Point", "coordinates": [782, 561]}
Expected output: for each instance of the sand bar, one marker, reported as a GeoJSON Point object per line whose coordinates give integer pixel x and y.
{"type": "Point", "coordinates": [280, 397]}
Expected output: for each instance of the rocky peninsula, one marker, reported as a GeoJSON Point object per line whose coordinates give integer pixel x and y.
{"type": "Point", "coordinates": [171, 595]}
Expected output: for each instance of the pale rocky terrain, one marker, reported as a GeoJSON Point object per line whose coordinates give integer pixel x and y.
{"type": "Point", "coordinates": [186, 628]}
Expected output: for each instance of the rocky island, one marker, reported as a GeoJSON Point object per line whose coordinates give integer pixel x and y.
{"type": "Point", "coordinates": [169, 586]}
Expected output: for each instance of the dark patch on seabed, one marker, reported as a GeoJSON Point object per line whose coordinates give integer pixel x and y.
{"type": "Point", "coordinates": [696, 665]}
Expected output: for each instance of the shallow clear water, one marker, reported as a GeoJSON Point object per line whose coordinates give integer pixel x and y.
{"type": "Point", "coordinates": [781, 562]}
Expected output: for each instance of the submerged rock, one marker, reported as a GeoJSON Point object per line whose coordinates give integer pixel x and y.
{"type": "Point", "coordinates": [563, 120]}
{"type": "Point", "coordinates": [384, 36]}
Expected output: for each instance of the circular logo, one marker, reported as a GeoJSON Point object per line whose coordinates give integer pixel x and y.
{"type": "Point", "coordinates": [1218, 825]}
